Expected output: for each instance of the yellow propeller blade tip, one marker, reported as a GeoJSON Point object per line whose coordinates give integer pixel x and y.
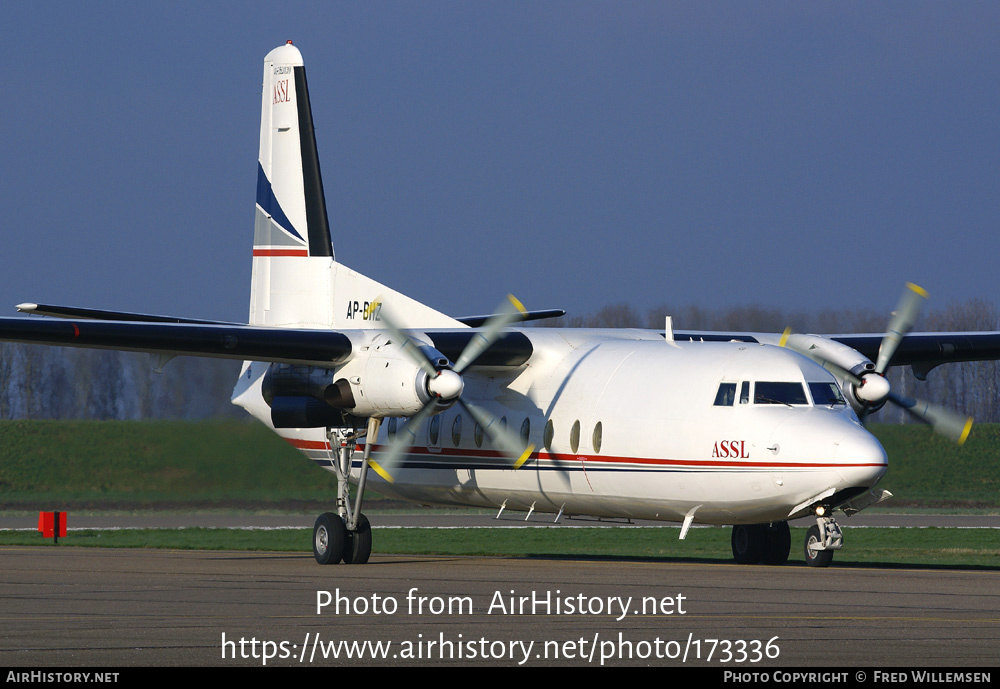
{"type": "Point", "coordinates": [784, 336]}
{"type": "Point", "coordinates": [966, 431]}
{"type": "Point", "coordinates": [380, 471]}
{"type": "Point", "coordinates": [918, 289]}
{"type": "Point", "coordinates": [524, 456]}
{"type": "Point", "coordinates": [517, 304]}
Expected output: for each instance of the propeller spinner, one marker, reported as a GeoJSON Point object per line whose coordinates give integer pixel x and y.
{"type": "Point", "coordinates": [445, 385]}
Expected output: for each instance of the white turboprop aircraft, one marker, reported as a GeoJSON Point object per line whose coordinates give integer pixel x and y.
{"type": "Point", "coordinates": [710, 428]}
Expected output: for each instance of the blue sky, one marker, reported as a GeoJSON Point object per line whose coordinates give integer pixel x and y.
{"type": "Point", "coordinates": [793, 155]}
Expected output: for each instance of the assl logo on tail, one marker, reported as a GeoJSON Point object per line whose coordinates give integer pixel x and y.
{"type": "Point", "coordinates": [281, 92]}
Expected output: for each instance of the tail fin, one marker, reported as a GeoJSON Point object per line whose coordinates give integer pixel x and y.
{"type": "Point", "coordinates": [292, 251]}
{"type": "Point", "coordinates": [295, 277]}
{"type": "Point", "coordinates": [290, 201]}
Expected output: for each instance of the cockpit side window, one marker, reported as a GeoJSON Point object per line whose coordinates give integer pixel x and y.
{"type": "Point", "coordinates": [826, 394]}
{"type": "Point", "coordinates": [779, 392]}
{"type": "Point", "coordinates": [745, 392]}
{"type": "Point", "coordinates": [726, 395]}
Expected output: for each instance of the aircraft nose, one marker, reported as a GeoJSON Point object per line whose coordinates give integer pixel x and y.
{"type": "Point", "coordinates": [862, 458]}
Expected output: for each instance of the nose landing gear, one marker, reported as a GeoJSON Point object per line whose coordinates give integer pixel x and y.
{"type": "Point", "coordinates": [822, 540]}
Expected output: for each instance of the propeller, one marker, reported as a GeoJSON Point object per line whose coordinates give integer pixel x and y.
{"type": "Point", "coordinates": [872, 387]}
{"type": "Point", "coordinates": [445, 385]}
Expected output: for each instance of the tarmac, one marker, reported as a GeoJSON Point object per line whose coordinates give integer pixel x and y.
{"type": "Point", "coordinates": [114, 608]}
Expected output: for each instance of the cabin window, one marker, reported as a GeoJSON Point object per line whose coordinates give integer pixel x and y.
{"type": "Point", "coordinates": [574, 436]}
{"type": "Point", "coordinates": [598, 435]}
{"type": "Point", "coordinates": [826, 394]}
{"type": "Point", "coordinates": [456, 430]}
{"type": "Point", "coordinates": [477, 434]}
{"type": "Point", "coordinates": [550, 433]}
{"type": "Point", "coordinates": [771, 392]}
{"type": "Point", "coordinates": [726, 395]}
{"type": "Point", "coordinates": [745, 392]}
{"type": "Point", "coordinates": [525, 432]}
{"type": "Point", "coordinates": [434, 430]}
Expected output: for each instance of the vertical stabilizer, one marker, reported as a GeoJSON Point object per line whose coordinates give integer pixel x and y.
{"type": "Point", "coordinates": [292, 251]}
{"type": "Point", "coordinates": [296, 281]}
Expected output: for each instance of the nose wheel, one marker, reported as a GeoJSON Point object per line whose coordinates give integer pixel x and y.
{"type": "Point", "coordinates": [821, 540]}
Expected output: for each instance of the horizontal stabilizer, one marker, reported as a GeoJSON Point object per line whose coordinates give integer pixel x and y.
{"type": "Point", "coordinates": [479, 321]}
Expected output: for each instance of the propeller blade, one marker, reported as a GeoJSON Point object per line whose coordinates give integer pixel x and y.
{"type": "Point", "coordinates": [951, 425]}
{"type": "Point", "coordinates": [406, 437]}
{"type": "Point", "coordinates": [507, 442]}
{"type": "Point", "coordinates": [406, 343]}
{"type": "Point", "coordinates": [509, 311]}
{"type": "Point", "coordinates": [902, 321]}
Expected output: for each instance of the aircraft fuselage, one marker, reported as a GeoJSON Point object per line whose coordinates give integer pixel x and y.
{"type": "Point", "coordinates": [629, 425]}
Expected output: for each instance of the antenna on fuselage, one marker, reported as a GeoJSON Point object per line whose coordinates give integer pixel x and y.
{"type": "Point", "coordinates": [668, 330]}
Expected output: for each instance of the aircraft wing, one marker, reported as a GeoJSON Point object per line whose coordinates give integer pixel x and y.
{"type": "Point", "coordinates": [102, 315]}
{"type": "Point", "coordinates": [241, 342]}
{"type": "Point", "coordinates": [233, 341]}
{"type": "Point", "coordinates": [922, 350]}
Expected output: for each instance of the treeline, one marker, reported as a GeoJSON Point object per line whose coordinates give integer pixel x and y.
{"type": "Point", "coordinates": [39, 382]}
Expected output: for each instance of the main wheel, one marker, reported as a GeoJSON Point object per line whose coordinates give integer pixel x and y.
{"type": "Point", "coordinates": [329, 537]}
{"type": "Point", "coordinates": [747, 541]}
{"type": "Point", "coordinates": [816, 558]}
{"type": "Point", "coordinates": [777, 543]}
{"type": "Point", "coordinates": [358, 547]}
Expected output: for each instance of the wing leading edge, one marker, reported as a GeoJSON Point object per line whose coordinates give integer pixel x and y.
{"type": "Point", "coordinates": [241, 342]}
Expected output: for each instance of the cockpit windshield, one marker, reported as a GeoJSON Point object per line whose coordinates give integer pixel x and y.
{"type": "Point", "coordinates": [780, 392]}
{"type": "Point", "coordinates": [773, 392]}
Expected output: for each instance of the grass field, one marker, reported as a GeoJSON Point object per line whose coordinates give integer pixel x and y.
{"type": "Point", "coordinates": [136, 465]}
{"type": "Point", "coordinates": [113, 466]}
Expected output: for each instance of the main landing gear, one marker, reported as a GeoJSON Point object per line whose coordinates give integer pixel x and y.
{"type": "Point", "coordinates": [346, 535]}
{"type": "Point", "coordinates": [770, 544]}
{"type": "Point", "coordinates": [761, 543]}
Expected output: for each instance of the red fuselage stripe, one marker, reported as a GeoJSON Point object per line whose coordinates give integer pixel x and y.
{"type": "Point", "coordinates": [596, 459]}
{"type": "Point", "coordinates": [281, 252]}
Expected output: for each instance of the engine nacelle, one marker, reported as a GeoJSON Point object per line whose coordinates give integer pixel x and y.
{"type": "Point", "coordinates": [292, 380]}
{"type": "Point", "coordinates": [849, 359]}
{"type": "Point", "coordinates": [381, 379]}
{"type": "Point", "coordinates": [306, 397]}
{"type": "Point", "coordinates": [390, 384]}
